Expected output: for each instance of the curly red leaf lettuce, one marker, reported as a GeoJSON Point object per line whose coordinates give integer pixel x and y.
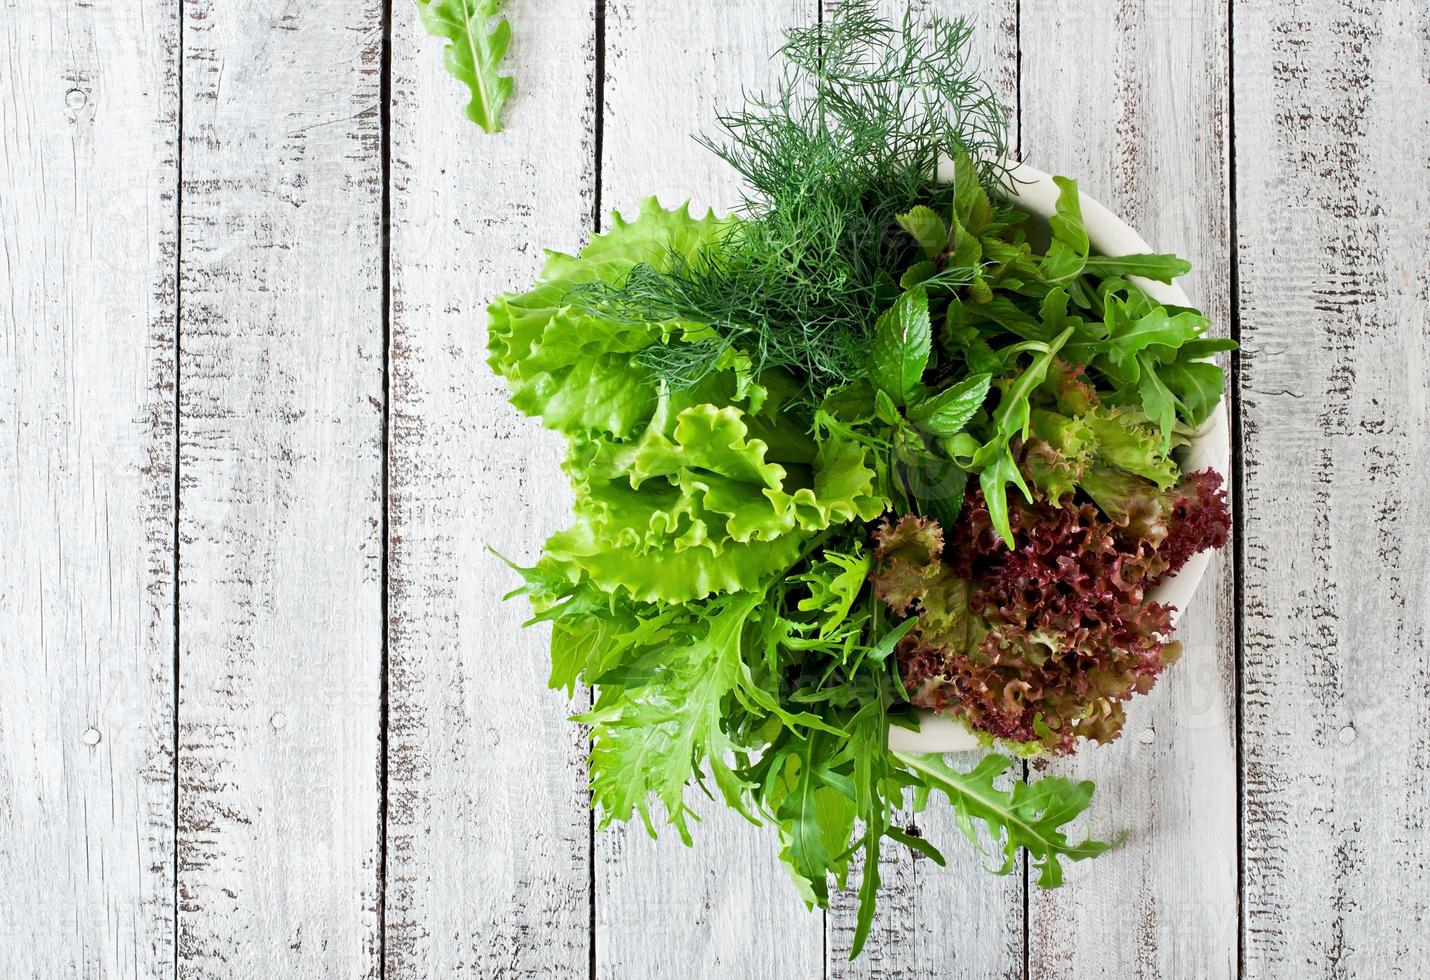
{"type": "Point", "coordinates": [1045, 643]}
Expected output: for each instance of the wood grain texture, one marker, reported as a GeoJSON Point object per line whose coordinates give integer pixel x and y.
{"type": "Point", "coordinates": [923, 907]}
{"type": "Point", "coordinates": [725, 908]}
{"type": "Point", "coordinates": [488, 812]}
{"type": "Point", "coordinates": [1331, 135]}
{"type": "Point", "coordinates": [280, 503]}
{"type": "Point", "coordinates": [88, 133]}
{"type": "Point", "coordinates": [1143, 127]}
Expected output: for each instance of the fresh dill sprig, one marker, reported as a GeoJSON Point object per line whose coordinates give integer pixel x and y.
{"type": "Point", "coordinates": [851, 137]}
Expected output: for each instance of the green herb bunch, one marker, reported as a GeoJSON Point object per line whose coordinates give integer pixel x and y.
{"type": "Point", "coordinates": [851, 137]}
{"type": "Point", "coordinates": [748, 400]}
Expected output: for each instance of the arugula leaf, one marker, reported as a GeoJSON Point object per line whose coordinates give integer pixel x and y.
{"type": "Point", "coordinates": [815, 812]}
{"type": "Point", "coordinates": [902, 342]}
{"type": "Point", "coordinates": [927, 228]}
{"type": "Point", "coordinates": [994, 459]}
{"type": "Point", "coordinates": [1157, 399]}
{"type": "Point", "coordinates": [994, 479]}
{"type": "Point", "coordinates": [880, 651]}
{"type": "Point", "coordinates": [1067, 255]}
{"type": "Point", "coordinates": [874, 797]}
{"type": "Point", "coordinates": [1206, 347]}
{"type": "Point", "coordinates": [1197, 386]}
{"type": "Point", "coordinates": [473, 52]}
{"type": "Point", "coordinates": [1030, 815]}
{"type": "Point", "coordinates": [1128, 334]}
{"type": "Point", "coordinates": [1160, 267]}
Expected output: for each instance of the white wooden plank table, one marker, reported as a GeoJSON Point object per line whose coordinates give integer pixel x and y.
{"type": "Point", "coordinates": [262, 713]}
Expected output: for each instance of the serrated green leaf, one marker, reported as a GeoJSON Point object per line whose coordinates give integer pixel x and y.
{"type": "Point", "coordinates": [927, 228]}
{"type": "Point", "coordinates": [1198, 386]}
{"type": "Point", "coordinates": [1129, 333]}
{"type": "Point", "coordinates": [967, 253]}
{"type": "Point", "coordinates": [1157, 400]}
{"type": "Point", "coordinates": [474, 50]}
{"type": "Point", "coordinates": [901, 346]}
{"type": "Point", "coordinates": [946, 413]}
{"type": "Point", "coordinates": [884, 408]}
{"type": "Point", "coordinates": [917, 274]}
{"type": "Point", "coordinates": [1029, 815]}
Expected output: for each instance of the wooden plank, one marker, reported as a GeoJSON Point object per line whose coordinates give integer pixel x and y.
{"type": "Point", "coordinates": [88, 224]}
{"type": "Point", "coordinates": [955, 921]}
{"type": "Point", "coordinates": [724, 908]}
{"type": "Point", "coordinates": [488, 818]}
{"type": "Point", "coordinates": [1143, 127]}
{"type": "Point", "coordinates": [280, 507]}
{"type": "Point", "coordinates": [1331, 127]}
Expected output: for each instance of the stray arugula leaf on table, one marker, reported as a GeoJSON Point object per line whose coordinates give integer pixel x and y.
{"type": "Point", "coordinates": [473, 53]}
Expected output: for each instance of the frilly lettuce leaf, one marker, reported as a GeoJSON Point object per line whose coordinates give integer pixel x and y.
{"type": "Point", "coordinates": [576, 370]}
{"type": "Point", "coordinates": [696, 506]}
{"type": "Point", "coordinates": [679, 494]}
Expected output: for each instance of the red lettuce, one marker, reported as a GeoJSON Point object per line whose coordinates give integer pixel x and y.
{"type": "Point", "coordinates": [1045, 642]}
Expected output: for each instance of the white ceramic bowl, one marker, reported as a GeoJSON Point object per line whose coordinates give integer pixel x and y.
{"type": "Point", "coordinates": [1035, 192]}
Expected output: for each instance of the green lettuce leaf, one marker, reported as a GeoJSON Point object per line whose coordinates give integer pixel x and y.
{"type": "Point", "coordinates": [696, 506]}
{"type": "Point", "coordinates": [574, 369]}
{"type": "Point", "coordinates": [652, 732]}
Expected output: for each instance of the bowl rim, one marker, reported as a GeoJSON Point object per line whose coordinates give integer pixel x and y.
{"type": "Point", "coordinates": [1210, 447]}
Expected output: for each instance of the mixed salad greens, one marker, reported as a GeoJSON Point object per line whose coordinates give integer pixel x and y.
{"type": "Point", "coordinates": [873, 444]}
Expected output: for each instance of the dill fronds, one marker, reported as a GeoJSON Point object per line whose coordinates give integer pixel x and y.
{"type": "Point", "coordinates": [850, 138]}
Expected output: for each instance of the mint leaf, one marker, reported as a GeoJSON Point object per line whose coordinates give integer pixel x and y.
{"type": "Point", "coordinates": [902, 340]}
{"type": "Point", "coordinates": [971, 208]}
{"type": "Point", "coordinates": [1127, 336]}
{"type": "Point", "coordinates": [473, 52]}
{"type": "Point", "coordinates": [916, 274]}
{"type": "Point", "coordinates": [927, 228]}
{"type": "Point", "coordinates": [946, 413]}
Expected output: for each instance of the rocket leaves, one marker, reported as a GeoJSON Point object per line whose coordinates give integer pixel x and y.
{"type": "Point", "coordinates": [1028, 815]}
{"type": "Point", "coordinates": [474, 51]}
